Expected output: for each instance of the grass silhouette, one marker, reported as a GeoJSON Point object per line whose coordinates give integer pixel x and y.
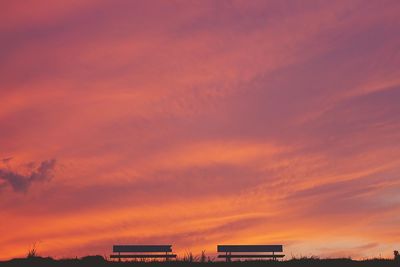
{"type": "Point", "coordinates": [189, 259]}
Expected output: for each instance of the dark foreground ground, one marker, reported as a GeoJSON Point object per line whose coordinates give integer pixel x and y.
{"type": "Point", "coordinates": [99, 261]}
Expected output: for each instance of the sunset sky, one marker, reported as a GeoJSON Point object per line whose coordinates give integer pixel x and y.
{"type": "Point", "coordinates": [197, 123]}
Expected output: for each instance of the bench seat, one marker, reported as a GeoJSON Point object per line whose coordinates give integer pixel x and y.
{"type": "Point", "coordinates": [251, 256]}
{"type": "Point", "coordinates": [126, 256]}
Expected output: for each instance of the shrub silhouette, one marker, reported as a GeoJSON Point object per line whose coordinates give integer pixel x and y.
{"type": "Point", "coordinates": [188, 257]}
{"type": "Point", "coordinates": [32, 253]}
{"type": "Point", "coordinates": [96, 259]}
{"type": "Point", "coordinates": [203, 257]}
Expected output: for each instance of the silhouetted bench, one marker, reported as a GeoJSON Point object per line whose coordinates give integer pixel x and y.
{"type": "Point", "coordinates": [142, 251]}
{"type": "Point", "coordinates": [246, 249]}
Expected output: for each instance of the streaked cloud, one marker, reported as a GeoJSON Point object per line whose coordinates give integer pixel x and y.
{"type": "Point", "coordinates": [230, 121]}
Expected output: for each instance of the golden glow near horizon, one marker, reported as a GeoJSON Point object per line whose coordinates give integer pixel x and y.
{"type": "Point", "coordinates": [197, 123]}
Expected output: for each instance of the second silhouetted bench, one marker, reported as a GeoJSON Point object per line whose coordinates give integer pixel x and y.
{"type": "Point", "coordinates": [244, 251]}
{"type": "Point", "coordinates": [142, 251]}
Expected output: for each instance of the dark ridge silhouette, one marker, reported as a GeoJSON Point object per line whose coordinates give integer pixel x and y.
{"type": "Point", "coordinates": [94, 261]}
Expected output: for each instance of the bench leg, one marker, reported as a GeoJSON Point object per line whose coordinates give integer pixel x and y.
{"type": "Point", "coordinates": [228, 258]}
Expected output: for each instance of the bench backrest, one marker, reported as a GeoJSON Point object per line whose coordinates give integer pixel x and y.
{"type": "Point", "coordinates": [250, 248]}
{"type": "Point", "coordinates": [142, 248]}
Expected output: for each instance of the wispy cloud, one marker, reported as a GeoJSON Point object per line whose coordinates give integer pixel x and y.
{"type": "Point", "coordinates": [209, 109]}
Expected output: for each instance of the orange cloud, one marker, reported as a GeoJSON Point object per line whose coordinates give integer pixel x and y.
{"type": "Point", "coordinates": [236, 122]}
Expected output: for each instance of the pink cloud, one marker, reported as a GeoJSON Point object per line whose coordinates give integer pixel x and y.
{"type": "Point", "coordinates": [257, 115]}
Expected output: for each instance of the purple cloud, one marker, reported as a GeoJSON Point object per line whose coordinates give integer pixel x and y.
{"type": "Point", "coordinates": [21, 183]}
